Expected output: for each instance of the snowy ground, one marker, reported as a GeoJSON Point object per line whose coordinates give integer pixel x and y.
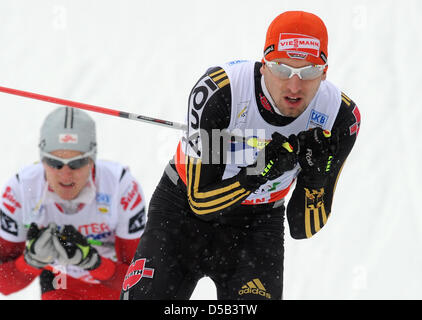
{"type": "Point", "coordinates": [145, 56]}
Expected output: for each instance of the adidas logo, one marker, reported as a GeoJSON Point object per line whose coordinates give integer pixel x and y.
{"type": "Point", "coordinates": [254, 287]}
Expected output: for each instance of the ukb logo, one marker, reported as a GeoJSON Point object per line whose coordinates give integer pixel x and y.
{"type": "Point", "coordinates": [317, 118]}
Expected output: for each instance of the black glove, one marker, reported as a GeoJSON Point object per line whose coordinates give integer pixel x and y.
{"type": "Point", "coordinates": [316, 150]}
{"type": "Point", "coordinates": [272, 161]}
{"type": "Point", "coordinates": [39, 250]}
{"type": "Point", "coordinates": [73, 249]}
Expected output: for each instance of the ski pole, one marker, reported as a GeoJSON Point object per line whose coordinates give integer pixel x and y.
{"type": "Point", "coordinates": [90, 107]}
{"type": "Point", "coordinates": [100, 243]}
{"type": "Point", "coordinates": [122, 114]}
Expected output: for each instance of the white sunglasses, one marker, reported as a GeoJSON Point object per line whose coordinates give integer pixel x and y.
{"type": "Point", "coordinates": [73, 163]}
{"type": "Point", "coordinates": [284, 71]}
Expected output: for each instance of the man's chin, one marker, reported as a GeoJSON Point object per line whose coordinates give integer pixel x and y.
{"type": "Point", "coordinates": [67, 194]}
{"type": "Point", "coordinates": [293, 112]}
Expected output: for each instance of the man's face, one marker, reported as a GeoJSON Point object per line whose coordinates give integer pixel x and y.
{"type": "Point", "coordinates": [291, 96]}
{"type": "Point", "coordinates": [65, 182]}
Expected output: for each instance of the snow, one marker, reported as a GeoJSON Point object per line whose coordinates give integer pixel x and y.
{"type": "Point", "coordinates": [144, 57]}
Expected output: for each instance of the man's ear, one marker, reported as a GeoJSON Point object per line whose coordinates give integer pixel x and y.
{"type": "Point", "coordinates": [262, 69]}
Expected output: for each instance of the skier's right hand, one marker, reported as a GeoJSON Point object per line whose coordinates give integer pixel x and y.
{"type": "Point", "coordinates": [272, 161]}
{"type": "Point", "coordinates": [39, 250]}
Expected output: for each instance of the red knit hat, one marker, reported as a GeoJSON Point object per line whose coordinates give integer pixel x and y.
{"type": "Point", "coordinates": [297, 35]}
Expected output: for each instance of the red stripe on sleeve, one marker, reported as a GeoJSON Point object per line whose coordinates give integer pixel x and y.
{"type": "Point", "coordinates": [125, 249]}
{"type": "Point", "coordinates": [12, 279]}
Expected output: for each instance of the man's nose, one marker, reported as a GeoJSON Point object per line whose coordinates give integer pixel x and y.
{"type": "Point", "coordinates": [294, 84]}
{"type": "Point", "coordinates": [65, 171]}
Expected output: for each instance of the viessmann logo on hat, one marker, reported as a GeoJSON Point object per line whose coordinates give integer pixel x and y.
{"type": "Point", "coordinates": [300, 43]}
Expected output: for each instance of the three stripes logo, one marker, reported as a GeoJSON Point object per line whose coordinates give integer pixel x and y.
{"type": "Point", "coordinates": [346, 99]}
{"type": "Point", "coordinates": [220, 78]}
{"type": "Point", "coordinates": [254, 287]}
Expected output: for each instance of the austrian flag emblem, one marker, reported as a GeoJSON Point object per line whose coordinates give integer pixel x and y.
{"type": "Point", "coordinates": [300, 43]}
{"type": "Point", "coordinates": [136, 272]}
{"type": "Point", "coordinates": [68, 138]}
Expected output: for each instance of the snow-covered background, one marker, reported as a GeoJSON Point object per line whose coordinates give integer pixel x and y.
{"type": "Point", "coordinates": [145, 56]}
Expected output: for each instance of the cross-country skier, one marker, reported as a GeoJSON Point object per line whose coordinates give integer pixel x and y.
{"type": "Point", "coordinates": [70, 219]}
{"type": "Point", "coordinates": [219, 208]}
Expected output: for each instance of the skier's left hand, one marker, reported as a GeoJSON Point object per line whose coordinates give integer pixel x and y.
{"type": "Point", "coordinates": [73, 249]}
{"type": "Point", "coordinates": [316, 149]}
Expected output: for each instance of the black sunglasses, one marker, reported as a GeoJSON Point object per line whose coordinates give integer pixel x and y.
{"type": "Point", "coordinates": [73, 163]}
